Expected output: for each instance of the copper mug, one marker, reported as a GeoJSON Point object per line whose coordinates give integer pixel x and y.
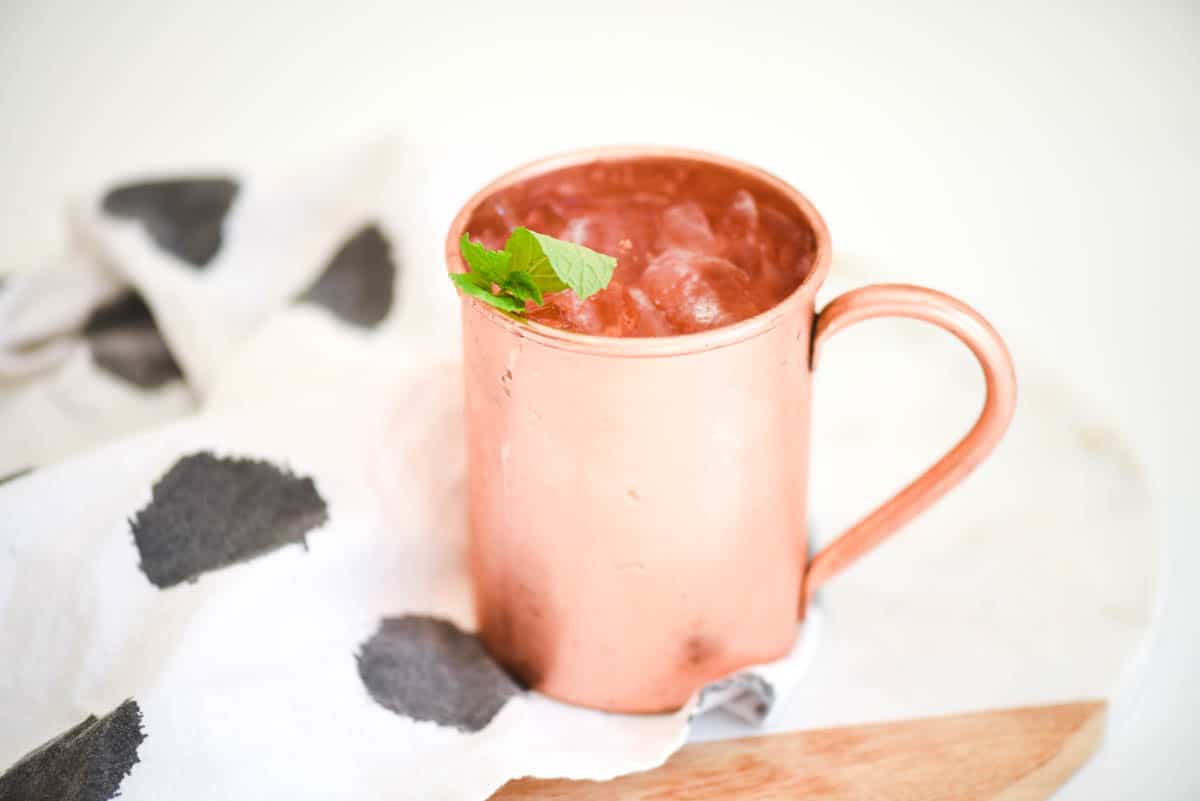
{"type": "Point", "coordinates": [637, 506]}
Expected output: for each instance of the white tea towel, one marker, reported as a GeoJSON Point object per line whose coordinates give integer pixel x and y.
{"type": "Point", "coordinates": [236, 535]}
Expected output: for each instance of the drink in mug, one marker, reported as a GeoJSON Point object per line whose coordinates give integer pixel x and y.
{"type": "Point", "coordinates": [692, 254]}
{"type": "Point", "coordinates": [638, 461]}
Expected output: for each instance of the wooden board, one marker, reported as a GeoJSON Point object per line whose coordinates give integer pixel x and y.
{"type": "Point", "coordinates": [1001, 755]}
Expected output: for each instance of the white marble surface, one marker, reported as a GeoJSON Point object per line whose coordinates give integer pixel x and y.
{"type": "Point", "coordinates": [1038, 160]}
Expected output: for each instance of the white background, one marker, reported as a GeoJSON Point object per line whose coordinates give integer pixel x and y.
{"type": "Point", "coordinates": [1041, 161]}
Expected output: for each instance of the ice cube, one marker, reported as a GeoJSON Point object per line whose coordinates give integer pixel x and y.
{"type": "Point", "coordinates": [542, 219]}
{"type": "Point", "coordinates": [740, 220]}
{"type": "Point", "coordinates": [696, 292]}
{"type": "Point", "coordinates": [641, 317]}
{"type": "Point", "coordinates": [789, 259]}
{"type": "Point", "coordinates": [600, 231]}
{"type": "Point", "coordinates": [610, 312]}
{"type": "Point", "coordinates": [650, 199]}
{"type": "Point", "coordinates": [610, 309]}
{"type": "Point", "coordinates": [503, 211]}
{"type": "Point", "coordinates": [738, 233]}
{"type": "Point", "coordinates": [623, 234]}
{"type": "Point", "coordinates": [566, 310]}
{"type": "Point", "coordinates": [492, 237]}
{"type": "Point", "coordinates": [794, 239]}
{"type": "Point", "coordinates": [685, 225]}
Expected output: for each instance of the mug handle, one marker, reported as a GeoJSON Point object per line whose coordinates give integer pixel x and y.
{"type": "Point", "coordinates": [917, 303]}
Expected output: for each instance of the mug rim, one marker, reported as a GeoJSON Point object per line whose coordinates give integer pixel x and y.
{"type": "Point", "coordinates": [760, 323]}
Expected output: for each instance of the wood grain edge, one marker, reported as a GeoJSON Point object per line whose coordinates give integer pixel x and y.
{"type": "Point", "coordinates": [1019, 754]}
{"type": "Point", "coordinates": [1076, 749]}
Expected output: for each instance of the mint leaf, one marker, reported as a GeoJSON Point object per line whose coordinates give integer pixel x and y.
{"type": "Point", "coordinates": [473, 284]}
{"type": "Point", "coordinates": [530, 266]}
{"type": "Point", "coordinates": [584, 270]}
{"type": "Point", "coordinates": [462, 279]}
{"type": "Point", "coordinates": [521, 285]}
{"type": "Point", "coordinates": [527, 257]}
{"type": "Point", "coordinates": [491, 264]}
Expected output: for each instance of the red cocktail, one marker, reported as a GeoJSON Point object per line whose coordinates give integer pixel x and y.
{"type": "Point", "coordinates": [693, 253]}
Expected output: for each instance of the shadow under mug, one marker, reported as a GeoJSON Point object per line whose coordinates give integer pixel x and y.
{"type": "Point", "coordinates": [637, 506]}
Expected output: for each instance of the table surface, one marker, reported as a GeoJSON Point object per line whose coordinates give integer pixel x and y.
{"type": "Point", "coordinates": [1039, 162]}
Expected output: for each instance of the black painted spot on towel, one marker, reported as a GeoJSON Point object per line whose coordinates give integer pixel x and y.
{"type": "Point", "coordinates": [207, 513]}
{"type": "Point", "coordinates": [429, 669]}
{"type": "Point", "coordinates": [183, 217]}
{"type": "Point", "coordinates": [125, 342]}
{"type": "Point", "coordinates": [85, 763]}
{"type": "Point", "coordinates": [358, 283]}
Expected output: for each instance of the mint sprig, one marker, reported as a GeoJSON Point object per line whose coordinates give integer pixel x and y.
{"type": "Point", "coordinates": [531, 266]}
